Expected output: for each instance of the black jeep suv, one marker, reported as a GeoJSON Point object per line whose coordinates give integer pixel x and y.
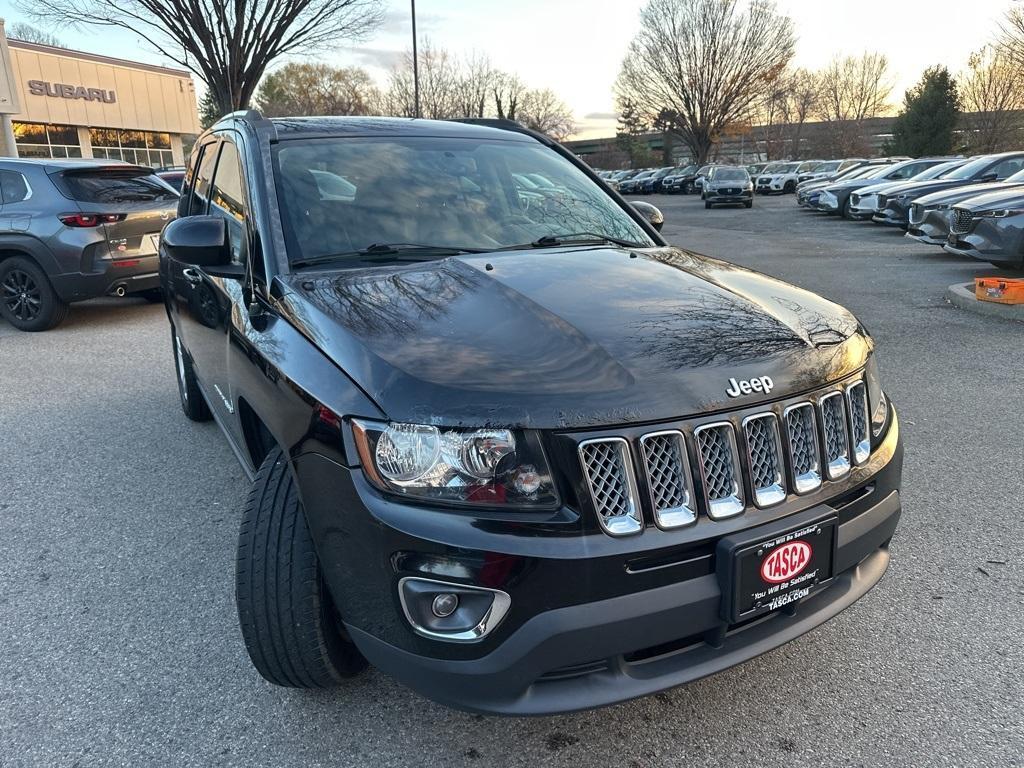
{"type": "Point", "coordinates": [523, 456]}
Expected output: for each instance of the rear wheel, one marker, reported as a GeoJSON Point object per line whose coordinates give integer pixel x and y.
{"type": "Point", "coordinates": [27, 300]}
{"type": "Point", "coordinates": [291, 629]}
{"type": "Point", "coordinates": [192, 402]}
{"type": "Point", "coordinates": [846, 209]}
{"type": "Point", "coordinates": [790, 187]}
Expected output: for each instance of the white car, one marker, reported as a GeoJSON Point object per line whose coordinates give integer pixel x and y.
{"type": "Point", "coordinates": [779, 178]}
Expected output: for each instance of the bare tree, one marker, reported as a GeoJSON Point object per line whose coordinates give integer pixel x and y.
{"type": "Point", "coordinates": [19, 30]}
{"type": "Point", "coordinates": [439, 85]}
{"type": "Point", "coordinates": [1011, 37]}
{"type": "Point", "coordinates": [853, 89]}
{"type": "Point", "coordinates": [317, 89]}
{"type": "Point", "coordinates": [992, 96]}
{"type": "Point", "coordinates": [508, 92]}
{"type": "Point", "coordinates": [541, 110]}
{"type": "Point", "coordinates": [228, 45]}
{"type": "Point", "coordinates": [474, 85]}
{"type": "Point", "coordinates": [706, 61]}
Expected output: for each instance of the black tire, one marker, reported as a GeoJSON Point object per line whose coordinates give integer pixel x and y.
{"type": "Point", "coordinates": [27, 300]}
{"type": "Point", "coordinates": [749, 204]}
{"type": "Point", "coordinates": [290, 626]}
{"type": "Point", "coordinates": [707, 204]}
{"type": "Point", "coordinates": [789, 188]}
{"type": "Point", "coordinates": [689, 188]}
{"type": "Point", "coordinates": [846, 209]}
{"type": "Point", "coordinates": [153, 295]}
{"type": "Point", "coordinates": [192, 401]}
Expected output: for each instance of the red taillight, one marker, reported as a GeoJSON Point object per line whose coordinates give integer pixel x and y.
{"type": "Point", "coordinates": [89, 219]}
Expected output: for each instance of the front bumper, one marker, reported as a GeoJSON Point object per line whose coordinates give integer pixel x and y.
{"type": "Point", "coordinates": [990, 240]}
{"type": "Point", "coordinates": [593, 620]}
{"type": "Point", "coordinates": [932, 229]}
{"type": "Point", "coordinates": [827, 203]}
{"type": "Point", "coordinates": [741, 197]}
{"type": "Point", "coordinates": [893, 214]}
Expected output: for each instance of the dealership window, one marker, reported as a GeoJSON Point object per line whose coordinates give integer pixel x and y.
{"type": "Point", "coordinates": [44, 140]}
{"type": "Point", "coordinates": [139, 147]}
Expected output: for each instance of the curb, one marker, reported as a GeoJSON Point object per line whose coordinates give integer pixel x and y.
{"type": "Point", "coordinates": [962, 295]}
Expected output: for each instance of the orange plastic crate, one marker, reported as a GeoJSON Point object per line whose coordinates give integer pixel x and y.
{"type": "Point", "coordinates": [1003, 290]}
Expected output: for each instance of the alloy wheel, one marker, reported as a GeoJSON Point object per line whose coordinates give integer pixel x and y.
{"type": "Point", "coordinates": [21, 295]}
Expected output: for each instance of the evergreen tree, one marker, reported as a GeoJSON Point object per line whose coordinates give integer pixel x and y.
{"type": "Point", "coordinates": [930, 113]}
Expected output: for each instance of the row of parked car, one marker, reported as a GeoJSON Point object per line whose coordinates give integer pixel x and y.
{"type": "Point", "coordinates": [969, 206]}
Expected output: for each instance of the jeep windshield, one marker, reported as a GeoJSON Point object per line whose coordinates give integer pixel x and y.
{"type": "Point", "coordinates": [429, 197]}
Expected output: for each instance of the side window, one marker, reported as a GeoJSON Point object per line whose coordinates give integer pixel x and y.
{"type": "Point", "coordinates": [13, 187]}
{"type": "Point", "coordinates": [1008, 167]}
{"type": "Point", "coordinates": [227, 199]}
{"type": "Point", "coordinates": [200, 192]}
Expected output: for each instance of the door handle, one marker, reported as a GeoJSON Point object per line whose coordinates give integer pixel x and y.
{"type": "Point", "coordinates": [192, 276]}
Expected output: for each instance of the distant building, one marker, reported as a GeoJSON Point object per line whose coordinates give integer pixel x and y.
{"type": "Point", "coordinates": [63, 103]}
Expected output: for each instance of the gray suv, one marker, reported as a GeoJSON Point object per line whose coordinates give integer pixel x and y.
{"type": "Point", "coordinates": [72, 230]}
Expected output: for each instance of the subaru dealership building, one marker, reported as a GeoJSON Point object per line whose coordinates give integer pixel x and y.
{"type": "Point", "coordinates": [56, 102]}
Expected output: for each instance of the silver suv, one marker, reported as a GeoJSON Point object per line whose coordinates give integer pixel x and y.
{"type": "Point", "coordinates": [72, 230]}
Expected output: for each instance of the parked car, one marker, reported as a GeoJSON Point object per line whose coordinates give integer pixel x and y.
{"type": "Point", "coordinates": [702, 173]}
{"type": "Point", "coordinates": [755, 169]}
{"type": "Point", "coordinates": [989, 227]}
{"type": "Point", "coordinates": [675, 182]}
{"type": "Point", "coordinates": [725, 185]}
{"type": "Point", "coordinates": [869, 202]}
{"type": "Point", "coordinates": [632, 185]}
{"type": "Point", "coordinates": [75, 230]}
{"type": "Point", "coordinates": [895, 208]}
{"type": "Point", "coordinates": [828, 169]}
{"type": "Point", "coordinates": [686, 182]}
{"type": "Point", "coordinates": [808, 192]}
{"type": "Point", "coordinates": [835, 198]}
{"type": "Point", "coordinates": [652, 184]}
{"type": "Point", "coordinates": [464, 450]}
{"type": "Point", "coordinates": [778, 178]}
{"type": "Point", "coordinates": [929, 225]}
{"type": "Point", "coordinates": [173, 178]}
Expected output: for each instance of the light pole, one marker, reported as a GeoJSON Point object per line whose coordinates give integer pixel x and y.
{"type": "Point", "coordinates": [415, 66]}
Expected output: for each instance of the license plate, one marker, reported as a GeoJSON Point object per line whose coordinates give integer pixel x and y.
{"type": "Point", "coordinates": [150, 245]}
{"type": "Point", "coordinates": [771, 572]}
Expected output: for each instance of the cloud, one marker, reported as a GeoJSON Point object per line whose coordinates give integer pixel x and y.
{"type": "Point", "coordinates": [384, 58]}
{"type": "Point", "coordinates": [399, 22]}
{"type": "Point", "coordinates": [601, 116]}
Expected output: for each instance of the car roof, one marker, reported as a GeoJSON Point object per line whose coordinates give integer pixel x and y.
{"type": "Point", "coordinates": [54, 164]}
{"type": "Point", "coordinates": [294, 127]}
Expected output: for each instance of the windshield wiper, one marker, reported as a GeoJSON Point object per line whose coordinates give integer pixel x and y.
{"type": "Point", "coordinates": [411, 252]}
{"type": "Point", "coordinates": [575, 238]}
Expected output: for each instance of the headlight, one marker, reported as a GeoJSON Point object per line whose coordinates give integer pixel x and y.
{"type": "Point", "coordinates": [937, 207]}
{"type": "Point", "coordinates": [877, 401]}
{"type": "Point", "coordinates": [1000, 213]}
{"type": "Point", "coordinates": [491, 467]}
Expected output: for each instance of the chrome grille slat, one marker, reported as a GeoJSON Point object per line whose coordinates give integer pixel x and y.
{"type": "Point", "coordinates": [960, 221]}
{"type": "Point", "coordinates": [608, 467]}
{"type": "Point", "coordinates": [764, 454]}
{"type": "Point", "coordinates": [860, 424]}
{"type": "Point", "coordinates": [720, 469]}
{"type": "Point", "coordinates": [668, 478]}
{"type": "Point", "coordinates": [916, 213]}
{"type": "Point", "coordinates": [802, 441]}
{"type": "Point", "coordinates": [834, 431]}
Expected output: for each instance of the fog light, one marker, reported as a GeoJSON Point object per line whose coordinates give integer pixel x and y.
{"type": "Point", "coordinates": [444, 605]}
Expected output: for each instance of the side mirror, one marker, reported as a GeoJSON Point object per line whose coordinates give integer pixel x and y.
{"type": "Point", "coordinates": [651, 213]}
{"type": "Point", "coordinates": [990, 176]}
{"type": "Point", "coordinates": [201, 241]}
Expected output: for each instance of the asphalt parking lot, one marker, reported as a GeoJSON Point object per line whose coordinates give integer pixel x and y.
{"type": "Point", "coordinates": [118, 638]}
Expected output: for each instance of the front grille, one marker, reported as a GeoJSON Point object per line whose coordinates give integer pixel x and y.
{"type": "Point", "coordinates": [916, 213]}
{"type": "Point", "coordinates": [857, 397]}
{"type": "Point", "coordinates": [802, 436]}
{"type": "Point", "coordinates": [792, 449]}
{"type": "Point", "coordinates": [668, 478]}
{"type": "Point", "coordinates": [833, 427]}
{"type": "Point", "coordinates": [720, 470]}
{"type": "Point", "coordinates": [960, 221]}
{"type": "Point", "coordinates": [764, 455]}
{"type": "Point", "coordinates": [609, 471]}
{"type": "Point", "coordinates": [854, 198]}
{"type": "Point", "coordinates": [883, 200]}
{"type": "Point", "coordinates": [764, 180]}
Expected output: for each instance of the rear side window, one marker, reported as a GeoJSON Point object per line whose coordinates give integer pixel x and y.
{"type": "Point", "coordinates": [115, 186]}
{"type": "Point", "coordinates": [13, 187]}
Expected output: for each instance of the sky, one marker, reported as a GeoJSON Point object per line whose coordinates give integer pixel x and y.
{"type": "Point", "coordinates": [575, 47]}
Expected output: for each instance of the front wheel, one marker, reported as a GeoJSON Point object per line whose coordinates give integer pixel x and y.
{"type": "Point", "coordinates": [291, 629]}
{"type": "Point", "coordinates": [789, 188]}
{"type": "Point", "coordinates": [846, 209]}
{"type": "Point", "coordinates": [706, 205]}
{"type": "Point", "coordinates": [749, 204]}
{"type": "Point", "coordinates": [27, 300]}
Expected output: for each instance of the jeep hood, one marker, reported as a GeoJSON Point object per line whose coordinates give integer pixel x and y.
{"type": "Point", "coordinates": [918, 189]}
{"type": "Point", "coordinates": [1012, 197]}
{"type": "Point", "coordinates": [569, 337]}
